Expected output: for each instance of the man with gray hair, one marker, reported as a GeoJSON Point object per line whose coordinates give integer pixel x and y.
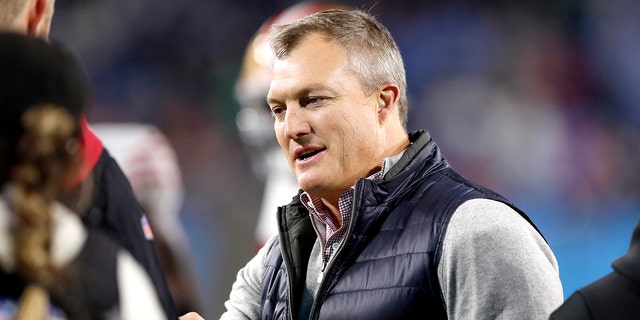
{"type": "Point", "coordinates": [383, 227]}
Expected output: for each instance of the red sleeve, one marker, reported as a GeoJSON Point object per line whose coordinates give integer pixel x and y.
{"type": "Point", "coordinates": [90, 147]}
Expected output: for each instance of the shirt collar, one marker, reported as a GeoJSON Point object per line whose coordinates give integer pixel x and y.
{"type": "Point", "coordinates": [322, 215]}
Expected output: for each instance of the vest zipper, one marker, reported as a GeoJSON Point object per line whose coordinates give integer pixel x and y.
{"type": "Point", "coordinates": [321, 275]}
{"type": "Point", "coordinates": [324, 261]}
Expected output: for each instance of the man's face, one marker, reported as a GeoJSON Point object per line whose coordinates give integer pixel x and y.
{"type": "Point", "coordinates": [328, 129]}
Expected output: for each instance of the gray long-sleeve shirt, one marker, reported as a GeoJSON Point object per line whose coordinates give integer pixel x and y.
{"type": "Point", "coordinates": [494, 265]}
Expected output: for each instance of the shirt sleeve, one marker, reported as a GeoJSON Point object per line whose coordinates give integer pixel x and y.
{"type": "Point", "coordinates": [495, 265]}
{"type": "Point", "coordinates": [246, 292]}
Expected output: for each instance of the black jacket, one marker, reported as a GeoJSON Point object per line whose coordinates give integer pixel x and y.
{"type": "Point", "coordinates": [386, 267]}
{"type": "Point", "coordinates": [614, 296]}
{"type": "Point", "coordinates": [115, 210]}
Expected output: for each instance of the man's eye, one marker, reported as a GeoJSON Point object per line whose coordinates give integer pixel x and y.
{"type": "Point", "coordinates": [275, 111]}
{"type": "Point", "coordinates": [311, 100]}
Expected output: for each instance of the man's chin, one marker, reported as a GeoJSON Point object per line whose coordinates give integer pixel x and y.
{"type": "Point", "coordinates": [311, 186]}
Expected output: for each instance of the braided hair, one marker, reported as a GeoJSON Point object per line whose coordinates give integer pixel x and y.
{"type": "Point", "coordinates": [45, 154]}
{"type": "Point", "coordinates": [43, 94]}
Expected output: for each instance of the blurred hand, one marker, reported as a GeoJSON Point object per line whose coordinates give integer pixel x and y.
{"type": "Point", "coordinates": [191, 316]}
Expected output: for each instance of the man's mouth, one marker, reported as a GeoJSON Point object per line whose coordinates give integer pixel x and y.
{"type": "Point", "coordinates": [308, 154]}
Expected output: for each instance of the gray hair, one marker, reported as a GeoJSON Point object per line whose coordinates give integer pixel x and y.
{"type": "Point", "coordinates": [372, 53]}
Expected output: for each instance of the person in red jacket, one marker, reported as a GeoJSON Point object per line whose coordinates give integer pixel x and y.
{"type": "Point", "coordinates": [112, 204]}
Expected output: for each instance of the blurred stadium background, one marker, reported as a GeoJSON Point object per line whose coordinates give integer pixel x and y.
{"type": "Point", "coordinates": [539, 100]}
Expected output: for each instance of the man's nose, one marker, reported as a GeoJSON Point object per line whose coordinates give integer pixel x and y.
{"type": "Point", "coordinates": [296, 123]}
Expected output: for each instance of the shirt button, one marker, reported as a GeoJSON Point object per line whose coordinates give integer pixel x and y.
{"type": "Point", "coordinates": [335, 245]}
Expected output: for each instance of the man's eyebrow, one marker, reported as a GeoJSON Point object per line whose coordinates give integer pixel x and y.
{"type": "Point", "coordinates": [272, 100]}
{"type": "Point", "coordinates": [299, 93]}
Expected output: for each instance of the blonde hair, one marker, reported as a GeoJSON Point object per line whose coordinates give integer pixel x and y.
{"type": "Point", "coordinates": [44, 155]}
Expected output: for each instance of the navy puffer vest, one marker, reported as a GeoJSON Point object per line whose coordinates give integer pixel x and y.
{"type": "Point", "coordinates": [387, 268]}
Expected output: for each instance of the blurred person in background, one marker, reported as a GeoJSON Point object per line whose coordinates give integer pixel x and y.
{"type": "Point", "coordinates": [614, 296]}
{"type": "Point", "coordinates": [150, 163]}
{"type": "Point", "coordinates": [255, 123]}
{"type": "Point", "coordinates": [51, 265]}
{"type": "Point", "coordinates": [113, 208]}
{"type": "Point", "coordinates": [382, 226]}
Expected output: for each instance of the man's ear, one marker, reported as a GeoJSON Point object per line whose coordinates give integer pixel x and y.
{"type": "Point", "coordinates": [387, 101]}
{"type": "Point", "coordinates": [39, 22]}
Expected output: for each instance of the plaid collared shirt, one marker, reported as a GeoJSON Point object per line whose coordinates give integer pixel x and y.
{"type": "Point", "coordinates": [329, 231]}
